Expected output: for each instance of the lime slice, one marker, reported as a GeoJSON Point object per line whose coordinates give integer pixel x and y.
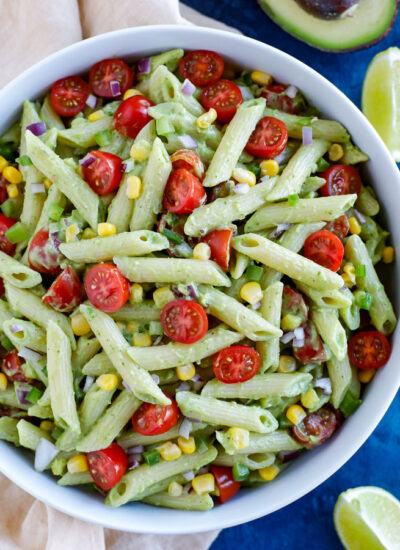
{"type": "Point", "coordinates": [368, 518]}
{"type": "Point", "coordinates": [381, 98]}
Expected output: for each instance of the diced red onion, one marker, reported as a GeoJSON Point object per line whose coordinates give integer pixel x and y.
{"type": "Point", "coordinates": [157, 340]}
{"type": "Point", "coordinates": [188, 88]}
{"type": "Point", "coordinates": [299, 333]}
{"type": "Point", "coordinates": [194, 420]}
{"type": "Point", "coordinates": [45, 454]}
{"type": "Point", "coordinates": [87, 160]}
{"type": "Point", "coordinates": [241, 188]}
{"type": "Point", "coordinates": [359, 216]}
{"type": "Point", "coordinates": [307, 135]}
{"type": "Point", "coordinates": [344, 287]}
{"type": "Point", "coordinates": [185, 428]}
{"type": "Point", "coordinates": [137, 449]}
{"type": "Point", "coordinates": [184, 386]}
{"type": "Point", "coordinates": [21, 392]}
{"type": "Point", "coordinates": [127, 165]}
{"type": "Point", "coordinates": [178, 293]}
{"type": "Point", "coordinates": [188, 142]}
{"type": "Point", "coordinates": [287, 456]}
{"type": "Point", "coordinates": [287, 337]}
{"type": "Point", "coordinates": [184, 249]}
{"type": "Point", "coordinates": [192, 291]}
{"type": "Point", "coordinates": [126, 386]}
{"type": "Point", "coordinates": [132, 464]}
{"type": "Point", "coordinates": [281, 158]}
{"type": "Point", "coordinates": [256, 306]}
{"type": "Point", "coordinates": [246, 93]}
{"type": "Point", "coordinates": [88, 383]}
{"type": "Point", "coordinates": [115, 88]}
{"type": "Point", "coordinates": [156, 378]}
{"type": "Point", "coordinates": [325, 384]}
{"type": "Point", "coordinates": [37, 188]}
{"type": "Point", "coordinates": [298, 342]}
{"type": "Point", "coordinates": [198, 385]}
{"type": "Point", "coordinates": [280, 229]}
{"type": "Point", "coordinates": [37, 128]}
{"type": "Point", "coordinates": [92, 101]}
{"type": "Point", "coordinates": [189, 475]}
{"type": "Point", "coordinates": [17, 328]}
{"type": "Point", "coordinates": [196, 377]}
{"type": "Point", "coordinates": [144, 66]}
{"type": "Point", "coordinates": [29, 354]}
{"type": "Point", "coordinates": [291, 91]}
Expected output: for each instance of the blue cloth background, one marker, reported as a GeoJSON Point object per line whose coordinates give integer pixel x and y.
{"type": "Point", "coordinates": [308, 522]}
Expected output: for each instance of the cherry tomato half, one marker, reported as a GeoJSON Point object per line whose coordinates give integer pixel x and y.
{"type": "Point", "coordinates": [223, 96]}
{"type": "Point", "coordinates": [65, 294]}
{"type": "Point", "coordinates": [68, 95]}
{"type": "Point", "coordinates": [227, 486]}
{"type": "Point", "coordinates": [341, 179]}
{"type": "Point", "coordinates": [201, 67]}
{"type": "Point", "coordinates": [132, 115]}
{"type": "Point", "coordinates": [104, 173]}
{"type": "Point", "coordinates": [183, 192]}
{"type": "Point", "coordinates": [12, 367]}
{"type": "Point", "coordinates": [236, 364]}
{"type": "Point", "coordinates": [369, 350]}
{"type": "Point", "coordinates": [219, 242]}
{"type": "Point", "coordinates": [269, 138]}
{"type": "Point", "coordinates": [107, 466]}
{"type": "Point", "coordinates": [152, 419]}
{"type": "Point", "coordinates": [312, 351]}
{"type": "Point", "coordinates": [293, 304]}
{"type": "Point", "coordinates": [106, 287]}
{"type": "Point", "coordinates": [185, 158]}
{"type": "Point", "coordinates": [5, 224]}
{"type": "Point", "coordinates": [44, 254]}
{"type": "Point", "coordinates": [110, 70]}
{"type": "Point", "coordinates": [324, 248]}
{"type": "Point", "coordinates": [316, 427]}
{"type": "Point", "coordinates": [339, 227]}
{"type": "Point", "coordinates": [184, 321]}
{"type": "Point", "coordinates": [277, 99]}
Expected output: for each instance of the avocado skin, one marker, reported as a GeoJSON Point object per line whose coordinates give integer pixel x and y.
{"type": "Point", "coordinates": [327, 9]}
{"type": "Point", "coordinates": [264, 4]}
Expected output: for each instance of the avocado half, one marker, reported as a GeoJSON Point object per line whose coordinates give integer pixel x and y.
{"type": "Point", "coordinates": [369, 22]}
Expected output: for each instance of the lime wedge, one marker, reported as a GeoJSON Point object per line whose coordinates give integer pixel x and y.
{"type": "Point", "coordinates": [381, 98]}
{"type": "Point", "coordinates": [368, 518]}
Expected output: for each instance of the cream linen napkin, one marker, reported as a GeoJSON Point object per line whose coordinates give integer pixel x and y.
{"type": "Point", "coordinates": [32, 29]}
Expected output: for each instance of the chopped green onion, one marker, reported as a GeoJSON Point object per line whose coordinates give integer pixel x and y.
{"type": "Point", "coordinates": [55, 434]}
{"type": "Point", "coordinates": [34, 395]}
{"type": "Point", "coordinates": [360, 270]}
{"type": "Point", "coordinates": [127, 335]}
{"type": "Point", "coordinates": [173, 236]}
{"type": "Point", "coordinates": [8, 208]}
{"type": "Point", "coordinates": [152, 457]}
{"type": "Point", "coordinates": [240, 471]}
{"type": "Point", "coordinates": [17, 233]}
{"type": "Point", "coordinates": [366, 301]}
{"type": "Point", "coordinates": [155, 328]}
{"type": "Point", "coordinates": [7, 151]}
{"type": "Point", "coordinates": [6, 343]}
{"type": "Point", "coordinates": [293, 200]}
{"type": "Point", "coordinates": [24, 160]}
{"type": "Point", "coordinates": [255, 169]}
{"type": "Point", "coordinates": [284, 422]}
{"type": "Point", "coordinates": [201, 443]}
{"type": "Point", "coordinates": [349, 404]}
{"type": "Point", "coordinates": [171, 219]}
{"type": "Point", "coordinates": [55, 212]}
{"type": "Point", "coordinates": [103, 138]}
{"type": "Point", "coordinates": [164, 126]}
{"type": "Point", "coordinates": [247, 78]}
{"type": "Point", "coordinates": [322, 164]}
{"type": "Point", "coordinates": [306, 121]}
{"type": "Point", "coordinates": [254, 273]}
{"type": "Point", "coordinates": [44, 370]}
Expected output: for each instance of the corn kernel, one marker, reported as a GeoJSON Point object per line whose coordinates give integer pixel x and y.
{"type": "Point", "coordinates": [366, 376]}
{"type": "Point", "coordinates": [97, 115]}
{"type": "Point", "coordinates": [47, 183]}
{"type": "Point", "coordinates": [106, 229]}
{"type": "Point", "coordinates": [12, 191]}
{"type": "Point", "coordinates": [140, 151]}
{"type": "Point", "coordinates": [130, 93]}
{"type": "Point", "coordinates": [79, 325]}
{"type": "Point", "coordinates": [46, 425]}
{"type": "Point", "coordinates": [286, 364]}
{"type": "Point", "coordinates": [3, 382]}
{"type": "Point", "coordinates": [204, 483]}
{"type": "Point", "coordinates": [77, 464]}
{"type": "Point", "coordinates": [388, 254]}
{"type": "Point", "coordinates": [142, 339]}
{"type": "Point", "coordinates": [71, 233]}
{"type": "Point", "coordinates": [355, 227]}
{"type": "Point", "coordinates": [12, 174]}
{"type": "Point", "coordinates": [89, 233]}
{"type": "Point", "coordinates": [134, 187]}
{"type": "Point", "coordinates": [136, 295]}
{"type": "Point", "coordinates": [239, 438]}
{"type": "Point", "coordinates": [132, 327]}
{"type": "Point", "coordinates": [205, 120]}
{"type": "Point", "coordinates": [251, 292]}
{"type": "Point", "coordinates": [261, 78]}
{"type": "Point", "coordinates": [3, 163]}
{"type": "Point", "coordinates": [269, 168]}
{"type": "Point", "coordinates": [295, 414]}
{"type": "Point", "coordinates": [241, 175]}
{"type": "Point", "coordinates": [347, 279]}
{"type": "Point", "coordinates": [169, 451]}
{"type": "Point", "coordinates": [107, 381]}
{"type": "Point", "coordinates": [162, 296]}
{"type": "Point", "coordinates": [310, 399]}
{"type": "Point", "coordinates": [175, 489]}
{"type": "Point", "coordinates": [269, 472]}
{"type": "Point", "coordinates": [202, 252]}
{"type": "Point", "coordinates": [290, 321]}
{"type": "Point", "coordinates": [185, 372]}
{"type": "Point", "coordinates": [187, 446]}
{"type": "Point", "coordinates": [350, 271]}
{"type": "Point", "coordinates": [336, 152]}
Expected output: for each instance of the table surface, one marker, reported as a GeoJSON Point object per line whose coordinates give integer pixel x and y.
{"type": "Point", "coordinates": [311, 524]}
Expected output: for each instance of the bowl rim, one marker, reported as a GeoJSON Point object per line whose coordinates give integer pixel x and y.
{"type": "Point", "coordinates": [118, 518]}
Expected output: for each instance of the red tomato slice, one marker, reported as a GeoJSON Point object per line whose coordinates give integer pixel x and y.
{"type": "Point", "coordinates": [44, 254]}
{"type": "Point", "coordinates": [294, 304]}
{"type": "Point", "coordinates": [5, 224]}
{"type": "Point", "coordinates": [219, 241]}
{"type": "Point", "coordinates": [236, 364]}
{"type": "Point", "coordinates": [190, 160]}
{"type": "Point", "coordinates": [227, 486]}
{"type": "Point", "coordinates": [12, 367]}
{"type": "Point", "coordinates": [3, 189]}
{"type": "Point", "coordinates": [223, 96]}
{"type": "Point", "coordinates": [184, 321]}
{"type": "Point", "coordinates": [152, 419]}
{"type": "Point", "coordinates": [107, 466]}
{"type": "Point", "coordinates": [65, 294]}
{"type": "Point", "coordinates": [324, 248]}
{"type": "Point", "coordinates": [183, 192]}
{"type": "Point", "coordinates": [104, 173]}
{"type": "Point", "coordinates": [132, 115]}
{"type": "Point", "coordinates": [369, 350]}
{"type": "Point", "coordinates": [341, 179]}
{"type": "Point", "coordinates": [313, 350]}
{"type": "Point", "coordinates": [110, 70]}
{"type": "Point", "coordinates": [68, 95]}
{"type": "Point", "coordinates": [277, 99]}
{"type": "Point", "coordinates": [106, 287]}
{"type": "Point", "coordinates": [201, 67]}
{"type": "Point", "coordinates": [316, 427]}
{"type": "Point", "coordinates": [339, 227]}
{"type": "Point", "coordinates": [269, 138]}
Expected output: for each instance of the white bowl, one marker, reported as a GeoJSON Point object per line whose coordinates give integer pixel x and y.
{"type": "Point", "coordinates": [314, 467]}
